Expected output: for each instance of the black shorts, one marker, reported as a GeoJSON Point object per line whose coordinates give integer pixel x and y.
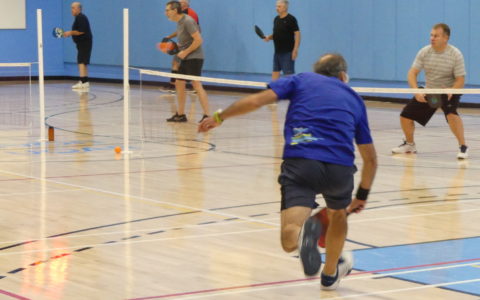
{"type": "Point", "coordinates": [422, 112]}
{"type": "Point", "coordinates": [302, 179]}
{"type": "Point", "coordinates": [84, 52]}
{"type": "Point", "coordinates": [191, 67]}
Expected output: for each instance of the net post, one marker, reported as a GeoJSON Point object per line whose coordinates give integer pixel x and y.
{"type": "Point", "coordinates": [126, 87]}
{"type": "Point", "coordinates": [41, 87]}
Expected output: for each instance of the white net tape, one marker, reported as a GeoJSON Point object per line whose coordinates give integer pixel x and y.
{"type": "Point", "coordinates": [15, 64]}
{"type": "Point", "coordinates": [361, 90]}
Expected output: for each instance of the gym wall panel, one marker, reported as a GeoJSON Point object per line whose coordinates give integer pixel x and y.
{"type": "Point", "coordinates": [20, 45]}
{"type": "Point", "coordinates": [473, 62]}
{"type": "Point", "coordinates": [460, 28]}
{"type": "Point", "coordinates": [384, 42]}
{"type": "Point", "coordinates": [315, 34]}
{"type": "Point", "coordinates": [362, 39]}
{"type": "Point", "coordinates": [379, 38]}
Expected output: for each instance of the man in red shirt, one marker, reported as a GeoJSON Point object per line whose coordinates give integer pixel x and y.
{"type": "Point", "coordinates": [187, 10]}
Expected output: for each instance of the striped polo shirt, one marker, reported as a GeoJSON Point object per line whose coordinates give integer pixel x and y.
{"type": "Point", "coordinates": [441, 68]}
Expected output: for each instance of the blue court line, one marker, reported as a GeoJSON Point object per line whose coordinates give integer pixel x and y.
{"type": "Point", "coordinates": [442, 253]}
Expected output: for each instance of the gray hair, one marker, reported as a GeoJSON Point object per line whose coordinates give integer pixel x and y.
{"type": "Point", "coordinates": [285, 2]}
{"type": "Point", "coordinates": [78, 4]}
{"type": "Point", "coordinates": [331, 65]}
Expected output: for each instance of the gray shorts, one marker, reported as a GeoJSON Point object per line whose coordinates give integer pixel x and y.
{"type": "Point", "coordinates": [302, 179]}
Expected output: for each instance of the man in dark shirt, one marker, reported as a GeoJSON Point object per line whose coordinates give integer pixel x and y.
{"type": "Point", "coordinates": [286, 38]}
{"type": "Point", "coordinates": [82, 37]}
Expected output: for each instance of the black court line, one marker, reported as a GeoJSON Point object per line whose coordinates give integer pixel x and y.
{"type": "Point", "coordinates": [156, 232]}
{"type": "Point", "coordinates": [16, 270]}
{"type": "Point", "coordinates": [223, 208]}
{"type": "Point", "coordinates": [82, 249]}
{"type": "Point", "coordinates": [120, 223]}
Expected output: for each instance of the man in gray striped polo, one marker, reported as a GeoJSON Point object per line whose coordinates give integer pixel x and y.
{"type": "Point", "coordinates": [444, 68]}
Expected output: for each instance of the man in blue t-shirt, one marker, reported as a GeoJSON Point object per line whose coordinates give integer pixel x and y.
{"type": "Point", "coordinates": [324, 118]}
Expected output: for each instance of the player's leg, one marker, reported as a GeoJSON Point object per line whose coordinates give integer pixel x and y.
{"type": "Point", "coordinates": [298, 229]}
{"type": "Point", "coordinates": [292, 220]}
{"type": "Point", "coordinates": [181, 96]}
{"type": "Point", "coordinates": [408, 128]}
{"type": "Point", "coordinates": [287, 63]}
{"type": "Point", "coordinates": [336, 235]}
{"type": "Point", "coordinates": [202, 97]}
{"type": "Point", "coordinates": [82, 62]}
{"type": "Point", "coordinates": [83, 70]}
{"type": "Point", "coordinates": [338, 187]}
{"type": "Point", "coordinates": [455, 123]}
{"type": "Point", "coordinates": [83, 59]}
{"type": "Point", "coordinates": [276, 67]}
{"type": "Point", "coordinates": [195, 69]}
{"type": "Point", "coordinates": [456, 126]}
{"type": "Point", "coordinates": [175, 66]}
{"type": "Point", "coordinates": [414, 111]}
{"type": "Point", "coordinates": [180, 116]}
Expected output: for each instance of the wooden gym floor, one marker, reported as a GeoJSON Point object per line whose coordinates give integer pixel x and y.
{"type": "Point", "coordinates": [192, 216]}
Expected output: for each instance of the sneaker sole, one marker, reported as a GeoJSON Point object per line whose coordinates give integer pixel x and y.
{"type": "Point", "coordinates": [408, 152]}
{"type": "Point", "coordinates": [309, 254]}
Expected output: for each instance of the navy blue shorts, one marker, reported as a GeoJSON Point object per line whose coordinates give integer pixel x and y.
{"type": "Point", "coordinates": [84, 52]}
{"type": "Point", "coordinates": [302, 179]}
{"type": "Point", "coordinates": [283, 62]}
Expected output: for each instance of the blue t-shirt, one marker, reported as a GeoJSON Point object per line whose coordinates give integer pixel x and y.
{"type": "Point", "coordinates": [323, 118]}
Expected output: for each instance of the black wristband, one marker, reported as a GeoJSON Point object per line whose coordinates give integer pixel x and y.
{"type": "Point", "coordinates": [362, 194]}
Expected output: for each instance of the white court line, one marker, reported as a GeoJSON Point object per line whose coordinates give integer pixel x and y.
{"type": "Point", "coordinates": [123, 195]}
{"type": "Point", "coordinates": [221, 223]}
{"type": "Point", "coordinates": [130, 232]}
{"type": "Point", "coordinates": [407, 289]}
{"type": "Point", "coordinates": [264, 221]}
{"type": "Point", "coordinates": [349, 278]}
{"type": "Point", "coordinates": [134, 241]}
{"type": "Point", "coordinates": [415, 216]}
{"type": "Point", "coordinates": [36, 193]}
{"type": "Point", "coordinates": [24, 64]}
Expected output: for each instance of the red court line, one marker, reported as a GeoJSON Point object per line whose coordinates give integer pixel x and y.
{"type": "Point", "coordinates": [13, 295]}
{"type": "Point", "coordinates": [298, 280]}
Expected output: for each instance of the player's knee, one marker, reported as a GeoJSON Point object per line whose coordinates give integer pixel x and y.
{"type": "Point", "coordinates": [289, 238]}
{"type": "Point", "coordinates": [337, 215]}
{"type": "Point", "coordinates": [197, 85]}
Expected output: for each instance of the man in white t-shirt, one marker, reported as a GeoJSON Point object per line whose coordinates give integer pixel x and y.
{"type": "Point", "coordinates": [444, 67]}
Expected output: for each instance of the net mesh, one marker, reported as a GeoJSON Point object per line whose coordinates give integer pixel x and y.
{"type": "Point", "coordinates": [15, 97]}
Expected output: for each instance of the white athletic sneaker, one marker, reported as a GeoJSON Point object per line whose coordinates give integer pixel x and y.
{"type": "Point", "coordinates": [307, 246]}
{"type": "Point", "coordinates": [168, 90]}
{"type": "Point", "coordinates": [344, 267]}
{"type": "Point", "coordinates": [463, 153]}
{"type": "Point", "coordinates": [77, 85]}
{"type": "Point", "coordinates": [405, 148]}
{"type": "Point", "coordinates": [81, 86]}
